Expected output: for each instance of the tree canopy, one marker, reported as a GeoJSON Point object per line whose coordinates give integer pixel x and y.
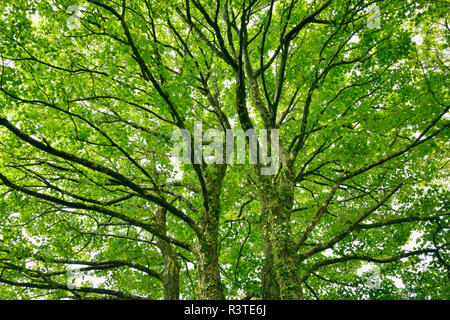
{"type": "Point", "coordinates": [93, 204]}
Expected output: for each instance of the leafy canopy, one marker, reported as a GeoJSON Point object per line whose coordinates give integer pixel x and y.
{"type": "Point", "coordinates": [89, 98]}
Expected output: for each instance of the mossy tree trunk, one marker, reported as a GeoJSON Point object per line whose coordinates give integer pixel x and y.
{"type": "Point", "coordinates": [171, 273]}
{"type": "Point", "coordinates": [280, 276]}
{"type": "Point", "coordinates": [207, 251]}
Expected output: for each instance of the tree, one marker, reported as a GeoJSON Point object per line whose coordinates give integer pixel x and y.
{"type": "Point", "coordinates": [91, 93]}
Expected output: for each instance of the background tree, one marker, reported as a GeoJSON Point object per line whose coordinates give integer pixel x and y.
{"type": "Point", "coordinates": [91, 93]}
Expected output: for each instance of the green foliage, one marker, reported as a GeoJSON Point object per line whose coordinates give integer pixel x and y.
{"type": "Point", "coordinates": [86, 176]}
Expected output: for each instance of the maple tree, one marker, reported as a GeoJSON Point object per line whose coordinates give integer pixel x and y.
{"type": "Point", "coordinates": [90, 94]}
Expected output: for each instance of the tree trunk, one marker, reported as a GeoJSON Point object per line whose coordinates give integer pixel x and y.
{"type": "Point", "coordinates": [270, 289]}
{"type": "Point", "coordinates": [280, 278]}
{"type": "Point", "coordinates": [171, 273]}
{"type": "Point", "coordinates": [209, 282]}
